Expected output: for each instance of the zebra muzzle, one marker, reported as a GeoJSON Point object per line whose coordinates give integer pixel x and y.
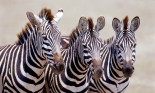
{"type": "Point", "coordinates": [128, 69]}
{"type": "Point", "coordinates": [58, 67]}
{"type": "Point", "coordinates": [98, 71]}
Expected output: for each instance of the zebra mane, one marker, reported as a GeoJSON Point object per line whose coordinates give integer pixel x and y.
{"type": "Point", "coordinates": [73, 36]}
{"type": "Point", "coordinates": [125, 22]}
{"type": "Point", "coordinates": [25, 33]}
{"type": "Point", "coordinates": [91, 25]}
{"type": "Point", "coordinates": [29, 28]}
{"type": "Point", "coordinates": [109, 40]}
{"type": "Point", "coordinates": [46, 14]}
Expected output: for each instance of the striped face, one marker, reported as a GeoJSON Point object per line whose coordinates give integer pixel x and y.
{"type": "Point", "coordinates": [92, 41]}
{"type": "Point", "coordinates": [125, 43]}
{"type": "Point", "coordinates": [125, 46]}
{"type": "Point", "coordinates": [51, 46]}
{"type": "Point", "coordinates": [49, 43]}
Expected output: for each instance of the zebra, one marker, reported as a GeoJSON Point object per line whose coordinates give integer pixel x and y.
{"type": "Point", "coordinates": [82, 52]}
{"type": "Point", "coordinates": [22, 64]}
{"type": "Point", "coordinates": [118, 56]}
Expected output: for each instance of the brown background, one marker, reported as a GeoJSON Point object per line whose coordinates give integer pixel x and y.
{"type": "Point", "coordinates": [13, 19]}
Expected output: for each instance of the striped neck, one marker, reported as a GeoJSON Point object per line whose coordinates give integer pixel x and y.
{"type": "Point", "coordinates": [79, 62]}
{"type": "Point", "coordinates": [35, 60]}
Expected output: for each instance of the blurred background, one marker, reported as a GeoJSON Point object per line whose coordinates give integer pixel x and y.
{"type": "Point", "coordinates": [13, 19]}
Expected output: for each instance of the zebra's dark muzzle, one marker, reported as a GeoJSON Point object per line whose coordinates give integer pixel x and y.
{"type": "Point", "coordinates": [98, 71]}
{"type": "Point", "coordinates": [127, 69]}
{"type": "Point", "coordinates": [58, 67]}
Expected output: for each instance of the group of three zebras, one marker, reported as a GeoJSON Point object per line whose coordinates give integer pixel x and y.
{"type": "Point", "coordinates": [37, 62]}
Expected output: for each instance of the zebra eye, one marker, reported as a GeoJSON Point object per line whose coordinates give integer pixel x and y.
{"type": "Point", "coordinates": [117, 45]}
{"type": "Point", "coordinates": [134, 45]}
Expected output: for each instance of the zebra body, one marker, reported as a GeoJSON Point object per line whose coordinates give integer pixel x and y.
{"type": "Point", "coordinates": [79, 60]}
{"type": "Point", "coordinates": [22, 64]}
{"type": "Point", "coordinates": [118, 56]}
{"type": "Point", "coordinates": [15, 80]}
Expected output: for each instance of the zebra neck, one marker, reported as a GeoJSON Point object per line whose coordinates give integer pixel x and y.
{"type": "Point", "coordinates": [35, 61]}
{"type": "Point", "coordinates": [75, 67]}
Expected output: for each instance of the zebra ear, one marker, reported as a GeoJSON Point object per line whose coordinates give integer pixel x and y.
{"type": "Point", "coordinates": [116, 24]}
{"type": "Point", "coordinates": [83, 24]}
{"type": "Point", "coordinates": [58, 15]}
{"type": "Point", "coordinates": [135, 23]}
{"type": "Point", "coordinates": [100, 23]}
{"type": "Point", "coordinates": [33, 18]}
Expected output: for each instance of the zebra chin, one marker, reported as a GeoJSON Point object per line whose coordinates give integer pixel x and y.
{"type": "Point", "coordinates": [127, 68]}
{"type": "Point", "coordinates": [98, 71]}
{"type": "Point", "coordinates": [58, 68]}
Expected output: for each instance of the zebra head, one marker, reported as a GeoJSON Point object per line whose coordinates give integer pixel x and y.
{"type": "Point", "coordinates": [92, 41]}
{"type": "Point", "coordinates": [125, 43]}
{"type": "Point", "coordinates": [49, 45]}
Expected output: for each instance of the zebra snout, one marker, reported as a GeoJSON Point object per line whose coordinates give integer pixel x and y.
{"type": "Point", "coordinates": [97, 72]}
{"type": "Point", "coordinates": [58, 67]}
{"type": "Point", "coordinates": [128, 69]}
{"type": "Point", "coordinates": [57, 57]}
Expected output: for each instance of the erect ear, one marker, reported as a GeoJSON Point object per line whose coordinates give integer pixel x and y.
{"type": "Point", "coordinates": [135, 23]}
{"type": "Point", "coordinates": [100, 23]}
{"type": "Point", "coordinates": [33, 18]}
{"type": "Point", "coordinates": [58, 15]}
{"type": "Point", "coordinates": [116, 24]}
{"type": "Point", "coordinates": [83, 24]}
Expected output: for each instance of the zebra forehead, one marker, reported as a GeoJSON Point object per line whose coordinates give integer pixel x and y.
{"type": "Point", "coordinates": [126, 40]}
{"type": "Point", "coordinates": [74, 34]}
{"type": "Point", "coordinates": [47, 14]}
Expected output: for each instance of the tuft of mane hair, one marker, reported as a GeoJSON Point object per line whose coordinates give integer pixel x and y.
{"type": "Point", "coordinates": [25, 33]}
{"type": "Point", "coordinates": [125, 22]}
{"type": "Point", "coordinates": [91, 25]}
{"type": "Point", "coordinates": [73, 36]}
{"type": "Point", "coordinates": [109, 40]}
{"type": "Point", "coordinates": [46, 14]}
